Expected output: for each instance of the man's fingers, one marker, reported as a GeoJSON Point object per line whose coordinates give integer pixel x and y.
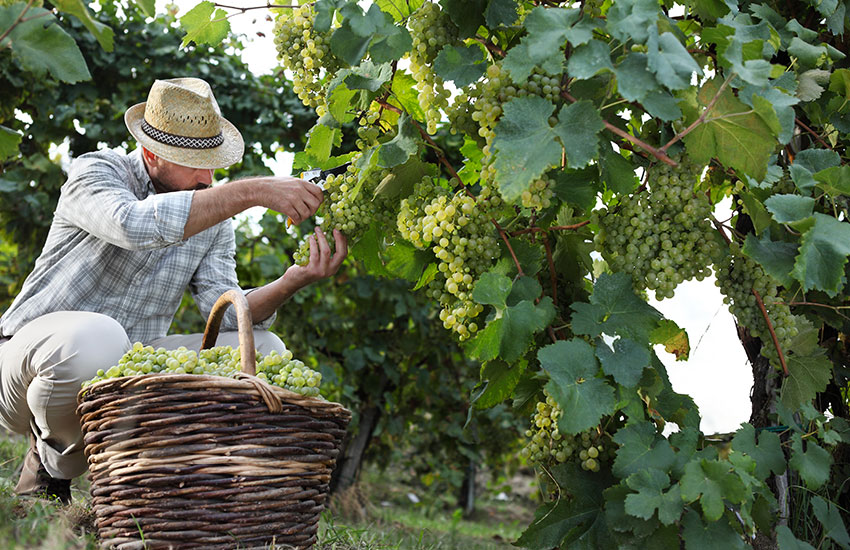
{"type": "Point", "coordinates": [324, 248]}
{"type": "Point", "coordinates": [340, 250]}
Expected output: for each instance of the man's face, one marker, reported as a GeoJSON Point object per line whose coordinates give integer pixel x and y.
{"type": "Point", "coordinates": [168, 176]}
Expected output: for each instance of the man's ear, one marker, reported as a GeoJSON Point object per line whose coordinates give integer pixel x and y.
{"type": "Point", "coordinates": [150, 157]}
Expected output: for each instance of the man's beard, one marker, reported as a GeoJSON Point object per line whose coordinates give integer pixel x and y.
{"type": "Point", "coordinates": [163, 187]}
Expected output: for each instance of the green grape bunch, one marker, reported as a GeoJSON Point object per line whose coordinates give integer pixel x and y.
{"type": "Point", "coordinates": [661, 237]}
{"type": "Point", "coordinates": [548, 446]}
{"type": "Point", "coordinates": [351, 206]}
{"type": "Point", "coordinates": [275, 368]}
{"type": "Point", "coordinates": [456, 227]}
{"type": "Point", "coordinates": [737, 277]}
{"type": "Point", "coordinates": [431, 30]}
{"type": "Point", "coordinates": [306, 53]}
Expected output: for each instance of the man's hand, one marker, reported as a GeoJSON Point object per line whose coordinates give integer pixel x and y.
{"type": "Point", "coordinates": [296, 198]}
{"type": "Point", "coordinates": [322, 262]}
{"type": "Point", "coordinates": [265, 300]}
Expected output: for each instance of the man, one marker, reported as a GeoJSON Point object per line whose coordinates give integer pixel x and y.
{"type": "Point", "coordinates": [129, 235]}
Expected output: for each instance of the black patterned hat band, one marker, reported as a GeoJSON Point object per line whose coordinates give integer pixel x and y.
{"type": "Point", "coordinates": [182, 141]}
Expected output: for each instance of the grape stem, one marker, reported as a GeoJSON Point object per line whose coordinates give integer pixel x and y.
{"type": "Point", "coordinates": [510, 248]}
{"type": "Point", "coordinates": [553, 228]}
{"type": "Point", "coordinates": [492, 48]}
{"type": "Point", "coordinates": [268, 5]}
{"type": "Point", "coordinates": [805, 127]}
{"type": "Point", "coordinates": [17, 21]}
{"type": "Point", "coordinates": [657, 153]}
{"type": "Point", "coordinates": [772, 332]}
{"type": "Point", "coordinates": [702, 116]}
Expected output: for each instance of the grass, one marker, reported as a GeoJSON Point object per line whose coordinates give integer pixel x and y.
{"type": "Point", "coordinates": [376, 515]}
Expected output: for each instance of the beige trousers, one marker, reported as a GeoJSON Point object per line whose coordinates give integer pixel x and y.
{"type": "Point", "coordinates": [44, 364]}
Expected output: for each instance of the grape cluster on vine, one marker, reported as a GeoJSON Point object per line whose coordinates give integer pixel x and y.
{"type": "Point", "coordinates": [737, 277]}
{"type": "Point", "coordinates": [351, 206]}
{"type": "Point", "coordinates": [275, 368]}
{"type": "Point", "coordinates": [306, 53]}
{"type": "Point", "coordinates": [457, 228]}
{"type": "Point", "coordinates": [431, 30]}
{"type": "Point", "coordinates": [548, 446]}
{"type": "Point", "coordinates": [661, 236]}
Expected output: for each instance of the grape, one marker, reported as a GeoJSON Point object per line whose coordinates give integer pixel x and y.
{"type": "Point", "coordinates": [431, 30]}
{"type": "Point", "coordinates": [275, 368]}
{"type": "Point", "coordinates": [663, 236]}
{"type": "Point", "coordinates": [548, 446]}
{"type": "Point", "coordinates": [457, 229]}
{"type": "Point", "coordinates": [737, 277]}
{"type": "Point", "coordinates": [352, 206]}
{"type": "Point", "coordinates": [306, 53]}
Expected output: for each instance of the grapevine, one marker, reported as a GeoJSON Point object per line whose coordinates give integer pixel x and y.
{"type": "Point", "coordinates": [661, 237]}
{"type": "Point", "coordinates": [275, 368]}
{"type": "Point", "coordinates": [306, 53]}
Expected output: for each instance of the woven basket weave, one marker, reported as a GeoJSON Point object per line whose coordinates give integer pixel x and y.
{"type": "Point", "coordinates": [197, 461]}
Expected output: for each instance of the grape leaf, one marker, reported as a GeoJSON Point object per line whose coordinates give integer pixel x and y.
{"type": "Point", "coordinates": [583, 398]}
{"type": "Point", "coordinates": [641, 448]}
{"type": "Point", "coordinates": [404, 90]}
{"type": "Point", "coordinates": [548, 30]}
{"type": "Point", "coordinates": [468, 15]}
{"type": "Point", "coordinates": [807, 375]}
{"type": "Point", "coordinates": [367, 24]}
{"type": "Point", "coordinates": [632, 19]}
{"type": "Point", "coordinates": [510, 333]}
{"type": "Point", "coordinates": [399, 9]}
{"type": "Point", "coordinates": [767, 453]}
{"type": "Point", "coordinates": [716, 535]}
{"type": "Point", "coordinates": [9, 142]}
{"type": "Point", "coordinates": [625, 362]}
{"type": "Point", "coordinates": [634, 80]}
{"type": "Point", "coordinates": [347, 45]}
{"type": "Point", "coordinates": [405, 261]}
{"type": "Point", "coordinates": [204, 24]}
{"type": "Point", "coordinates": [501, 12]}
{"type": "Point", "coordinates": [500, 379]}
{"type": "Point", "coordinates": [673, 338]}
{"type": "Point", "coordinates": [813, 464]}
{"type": "Point", "coordinates": [787, 541]}
{"type": "Point", "coordinates": [617, 173]}
{"type": "Point", "coordinates": [577, 127]}
{"type": "Point", "coordinates": [103, 33]}
{"type": "Point", "coordinates": [790, 208]}
{"type": "Point", "coordinates": [339, 103]}
{"type": "Point", "coordinates": [391, 45]}
{"type": "Point", "coordinates": [835, 180]}
{"type": "Point", "coordinates": [148, 7]}
{"type": "Point", "coordinates": [830, 517]}
{"type": "Point", "coordinates": [650, 496]}
{"type": "Point", "coordinates": [732, 132]}
{"type": "Point", "coordinates": [775, 257]}
{"type": "Point", "coordinates": [578, 187]}
{"type": "Point", "coordinates": [589, 59]}
{"type": "Point", "coordinates": [670, 61]}
{"type": "Point", "coordinates": [823, 254]}
{"type": "Point", "coordinates": [809, 162]}
{"type": "Point", "coordinates": [661, 104]}
{"type": "Point", "coordinates": [41, 46]}
{"type": "Point", "coordinates": [524, 288]}
{"type": "Point", "coordinates": [462, 65]}
{"type": "Point", "coordinates": [753, 71]}
{"type": "Point", "coordinates": [711, 482]}
{"type": "Point", "coordinates": [402, 146]}
{"type": "Point", "coordinates": [807, 54]}
{"type": "Point", "coordinates": [623, 312]}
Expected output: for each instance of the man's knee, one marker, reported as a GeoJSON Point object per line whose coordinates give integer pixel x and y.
{"type": "Point", "coordinates": [266, 342]}
{"type": "Point", "coordinates": [77, 350]}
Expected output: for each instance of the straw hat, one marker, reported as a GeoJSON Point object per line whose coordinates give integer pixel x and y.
{"type": "Point", "coordinates": [181, 122]}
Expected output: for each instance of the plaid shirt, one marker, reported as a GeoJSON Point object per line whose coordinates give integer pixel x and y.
{"type": "Point", "coordinates": [116, 247]}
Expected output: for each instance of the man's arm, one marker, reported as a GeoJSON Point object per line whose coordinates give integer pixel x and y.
{"type": "Point", "coordinates": [265, 300]}
{"type": "Point", "coordinates": [293, 197]}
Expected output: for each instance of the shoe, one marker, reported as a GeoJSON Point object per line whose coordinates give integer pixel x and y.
{"type": "Point", "coordinates": [36, 482]}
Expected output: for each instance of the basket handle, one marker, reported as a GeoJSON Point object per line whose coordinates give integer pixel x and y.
{"type": "Point", "coordinates": [244, 324]}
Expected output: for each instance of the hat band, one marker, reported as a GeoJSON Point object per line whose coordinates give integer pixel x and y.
{"type": "Point", "coordinates": [185, 142]}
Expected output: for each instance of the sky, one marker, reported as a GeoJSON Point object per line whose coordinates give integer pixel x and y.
{"type": "Point", "coordinates": [717, 375]}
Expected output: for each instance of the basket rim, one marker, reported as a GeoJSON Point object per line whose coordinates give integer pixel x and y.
{"type": "Point", "coordinates": [208, 381]}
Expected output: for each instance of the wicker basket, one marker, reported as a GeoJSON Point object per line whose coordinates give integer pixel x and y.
{"type": "Point", "coordinates": [197, 461]}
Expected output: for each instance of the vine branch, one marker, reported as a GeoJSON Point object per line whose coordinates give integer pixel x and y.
{"type": "Point", "coordinates": [772, 332]}
{"type": "Point", "coordinates": [17, 20]}
{"type": "Point", "coordinates": [819, 139]}
{"type": "Point", "coordinates": [492, 48]}
{"type": "Point", "coordinates": [268, 5]}
{"type": "Point", "coordinates": [657, 153]}
{"type": "Point", "coordinates": [510, 248]}
{"type": "Point", "coordinates": [547, 229]}
{"type": "Point", "coordinates": [702, 116]}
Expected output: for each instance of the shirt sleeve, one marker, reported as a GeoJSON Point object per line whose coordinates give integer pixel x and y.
{"type": "Point", "coordinates": [216, 274]}
{"type": "Point", "coordinates": [98, 199]}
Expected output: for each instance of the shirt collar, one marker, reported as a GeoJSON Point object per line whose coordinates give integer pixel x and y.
{"type": "Point", "coordinates": [139, 170]}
